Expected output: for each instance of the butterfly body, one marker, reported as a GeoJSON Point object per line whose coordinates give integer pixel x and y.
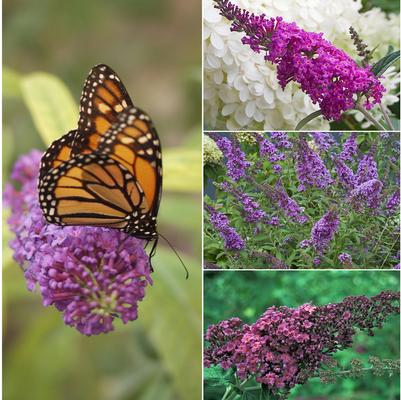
{"type": "Point", "coordinates": [108, 172]}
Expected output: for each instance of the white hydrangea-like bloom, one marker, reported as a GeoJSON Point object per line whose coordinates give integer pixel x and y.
{"type": "Point", "coordinates": [241, 90]}
{"type": "Point", "coordinates": [211, 153]}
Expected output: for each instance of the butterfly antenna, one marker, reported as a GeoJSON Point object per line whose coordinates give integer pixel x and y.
{"type": "Point", "coordinates": [176, 253]}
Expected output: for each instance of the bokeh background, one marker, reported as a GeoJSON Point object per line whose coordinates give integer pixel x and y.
{"type": "Point", "coordinates": [155, 47]}
{"type": "Point", "coordinates": [247, 294]}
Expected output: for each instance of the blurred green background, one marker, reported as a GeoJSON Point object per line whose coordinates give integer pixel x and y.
{"type": "Point", "coordinates": [155, 47]}
{"type": "Point", "coordinates": [247, 294]}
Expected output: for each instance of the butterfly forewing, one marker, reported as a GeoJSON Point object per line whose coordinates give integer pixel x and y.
{"type": "Point", "coordinates": [103, 98]}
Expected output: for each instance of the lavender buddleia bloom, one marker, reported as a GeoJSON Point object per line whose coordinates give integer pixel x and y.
{"type": "Point", "coordinates": [251, 208]}
{"type": "Point", "coordinates": [281, 139]}
{"type": "Point", "coordinates": [345, 259]}
{"type": "Point", "coordinates": [92, 275]}
{"type": "Point", "coordinates": [323, 141]}
{"type": "Point", "coordinates": [288, 205]}
{"type": "Point", "coordinates": [393, 202]}
{"type": "Point", "coordinates": [323, 231]}
{"type": "Point", "coordinates": [235, 158]}
{"type": "Point", "coordinates": [268, 149]}
{"type": "Point", "coordinates": [220, 222]}
{"type": "Point", "coordinates": [344, 173]}
{"type": "Point", "coordinates": [350, 149]}
{"type": "Point", "coordinates": [310, 168]}
{"type": "Point", "coordinates": [367, 168]}
{"type": "Point", "coordinates": [366, 194]}
{"type": "Point", "coordinates": [327, 74]}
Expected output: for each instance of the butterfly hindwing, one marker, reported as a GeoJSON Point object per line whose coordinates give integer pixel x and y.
{"type": "Point", "coordinates": [103, 98]}
{"type": "Point", "coordinates": [93, 189]}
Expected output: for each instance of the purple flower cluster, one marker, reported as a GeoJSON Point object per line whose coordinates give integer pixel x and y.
{"type": "Point", "coordinates": [323, 231]}
{"type": "Point", "coordinates": [393, 202]}
{"type": "Point", "coordinates": [269, 150]}
{"type": "Point", "coordinates": [232, 240]}
{"type": "Point", "coordinates": [345, 259]}
{"type": "Point", "coordinates": [92, 275]}
{"type": "Point", "coordinates": [281, 139]}
{"type": "Point", "coordinates": [350, 149]}
{"type": "Point", "coordinates": [327, 74]}
{"type": "Point", "coordinates": [366, 194]}
{"type": "Point", "coordinates": [310, 168]}
{"type": "Point", "coordinates": [251, 208]}
{"type": "Point", "coordinates": [323, 140]}
{"type": "Point", "coordinates": [235, 158]}
{"type": "Point", "coordinates": [286, 346]}
{"type": "Point", "coordinates": [288, 205]}
{"type": "Point", "coordinates": [367, 168]}
{"type": "Point", "coordinates": [344, 173]}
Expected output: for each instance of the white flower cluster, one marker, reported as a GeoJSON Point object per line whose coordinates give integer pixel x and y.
{"type": "Point", "coordinates": [241, 89]}
{"type": "Point", "coordinates": [211, 153]}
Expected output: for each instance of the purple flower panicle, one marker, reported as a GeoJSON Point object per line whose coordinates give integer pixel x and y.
{"type": "Point", "coordinates": [345, 259]}
{"type": "Point", "coordinates": [350, 149]}
{"type": "Point", "coordinates": [311, 170]}
{"type": "Point", "coordinates": [232, 240]}
{"type": "Point", "coordinates": [92, 275]}
{"type": "Point", "coordinates": [323, 231]}
{"type": "Point", "coordinates": [393, 202]}
{"type": "Point", "coordinates": [235, 158]}
{"type": "Point", "coordinates": [367, 194]}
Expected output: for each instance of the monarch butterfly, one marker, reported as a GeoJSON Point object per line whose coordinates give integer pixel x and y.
{"type": "Point", "coordinates": [107, 172]}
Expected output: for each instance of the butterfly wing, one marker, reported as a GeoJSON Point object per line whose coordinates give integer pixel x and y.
{"type": "Point", "coordinates": [58, 152]}
{"type": "Point", "coordinates": [93, 189]}
{"type": "Point", "coordinates": [133, 142]}
{"type": "Point", "coordinates": [103, 98]}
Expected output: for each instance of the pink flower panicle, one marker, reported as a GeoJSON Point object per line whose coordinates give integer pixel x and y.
{"type": "Point", "coordinates": [327, 74]}
{"type": "Point", "coordinates": [286, 346]}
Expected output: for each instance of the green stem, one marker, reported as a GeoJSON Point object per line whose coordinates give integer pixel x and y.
{"type": "Point", "coordinates": [381, 234]}
{"type": "Point", "coordinates": [367, 369]}
{"type": "Point", "coordinates": [376, 123]}
{"type": "Point", "coordinates": [386, 117]}
{"type": "Point", "coordinates": [388, 253]}
{"type": "Point", "coordinates": [227, 393]}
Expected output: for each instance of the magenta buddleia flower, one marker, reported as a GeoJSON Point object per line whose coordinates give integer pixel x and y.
{"type": "Point", "coordinates": [251, 208]}
{"type": "Point", "coordinates": [323, 140]}
{"type": "Point", "coordinates": [310, 168]}
{"type": "Point", "coordinates": [288, 205]}
{"type": "Point", "coordinates": [220, 222]}
{"type": "Point", "coordinates": [367, 168]}
{"type": "Point", "coordinates": [323, 231]}
{"type": "Point", "coordinates": [393, 202]}
{"type": "Point", "coordinates": [92, 275]}
{"type": "Point", "coordinates": [286, 346]}
{"type": "Point", "coordinates": [327, 74]}
{"type": "Point", "coordinates": [235, 158]}
{"type": "Point", "coordinates": [366, 195]}
{"type": "Point", "coordinates": [350, 149]}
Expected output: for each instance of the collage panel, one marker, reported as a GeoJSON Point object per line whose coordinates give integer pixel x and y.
{"type": "Point", "coordinates": [301, 65]}
{"type": "Point", "coordinates": [301, 335]}
{"type": "Point", "coordinates": [321, 200]}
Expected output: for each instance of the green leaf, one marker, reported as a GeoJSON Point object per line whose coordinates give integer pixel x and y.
{"type": "Point", "coordinates": [383, 64]}
{"type": "Point", "coordinates": [182, 170]}
{"type": "Point", "coordinates": [11, 83]}
{"type": "Point", "coordinates": [51, 105]}
{"type": "Point", "coordinates": [307, 119]}
{"type": "Point", "coordinates": [171, 314]}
